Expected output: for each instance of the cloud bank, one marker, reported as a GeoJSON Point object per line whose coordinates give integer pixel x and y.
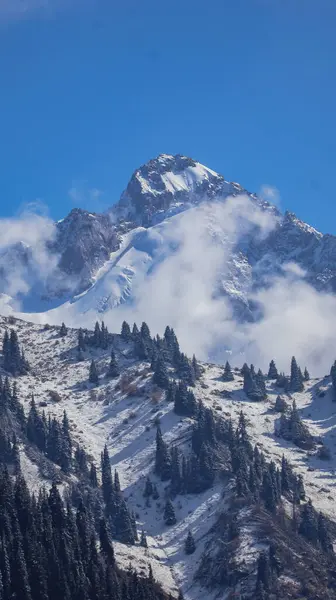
{"type": "Point", "coordinates": [191, 261]}
{"type": "Point", "coordinates": [25, 257]}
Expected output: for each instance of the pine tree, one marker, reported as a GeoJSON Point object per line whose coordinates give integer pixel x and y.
{"type": "Point", "coordinates": [309, 526]}
{"type": "Point", "coordinates": [171, 392]}
{"type": "Point", "coordinates": [141, 350]}
{"type": "Point", "coordinates": [144, 331]}
{"type": "Point", "coordinates": [106, 542]}
{"type": "Point", "coordinates": [254, 386]}
{"type": "Point", "coordinates": [333, 379]}
{"type": "Point", "coordinates": [104, 337]}
{"type": "Point", "coordinates": [186, 371]}
{"type": "Point", "coordinates": [143, 540]}
{"type": "Point", "coordinates": [6, 351]}
{"type": "Point", "coordinates": [272, 371]}
{"type": "Point", "coordinates": [107, 481]}
{"type": "Point", "coordinates": [228, 375]}
{"type": "Point", "coordinates": [162, 457]}
{"type": "Point", "coordinates": [296, 384]}
{"type": "Point", "coordinates": [185, 402]}
{"type": "Point", "coordinates": [15, 354]}
{"type": "Point", "coordinates": [96, 335]}
{"type": "Point", "coordinates": [81, 341]}
{"type": "Point", "coordinates": [126, 331]}
{"type": "Point", "coordinates": [280, 405]}
{"type": "Point", "coordinates": [63, 330]}
{"type": "Point", "coordinates": [148, 488]}
{"type": "Point", "coordinates": [113, 370]}
{"type": "Point", "coordinates": [93, 373]}
{"type": "Point", "coordinates": [175, 483]}
{"type": "Point", "coordinates": [189, 545]}
{"type": "Point", "coordinates": [160, 376]}
{"type": "Point", "coordinates": [135, 331]}
{"type": "Point", "coordinates": [196, 368]}
{"type": "Point", "coordinates": [260, 381]}
{"type": "Point", "coordinates": [123, 524]}
{"type": "Point", "coordinates": [93, 476]}
{"type": "Point", "coordinates": [306, 375]}
{"type": "Point", "coordinates": [169, 514]}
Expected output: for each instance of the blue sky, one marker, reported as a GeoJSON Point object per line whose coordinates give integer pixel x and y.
{"type": "Point", "coordinates": [90, 90]}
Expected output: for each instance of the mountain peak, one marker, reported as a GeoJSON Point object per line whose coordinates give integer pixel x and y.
{"type": "Point", "coordinates": [165, 183]}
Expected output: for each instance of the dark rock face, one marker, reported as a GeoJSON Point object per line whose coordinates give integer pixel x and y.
{"type": "Point", "coordinates": [84, 242]}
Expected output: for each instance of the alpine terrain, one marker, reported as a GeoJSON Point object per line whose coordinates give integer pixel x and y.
{"type": "Point", "coordinates": [131, 467]}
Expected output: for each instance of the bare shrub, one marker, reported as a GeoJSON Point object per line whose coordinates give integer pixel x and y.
{"type": "Point", "coordinates": [54, 396]}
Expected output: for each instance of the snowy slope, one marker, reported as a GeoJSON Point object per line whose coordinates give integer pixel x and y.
{"type": "Point", "coordinates": [122, 413]}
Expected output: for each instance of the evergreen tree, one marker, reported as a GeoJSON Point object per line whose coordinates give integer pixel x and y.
{"type": "Point", "coordinates": [63, 330]}
{"type": "Point", "coordinates": [96, 335]}
{"type": "Point", "coordinates": [135, 331]}
{"type": "Point", "coordinates": [104, 336]}
{"type": "Point", "coordinates": [162, 457]}
{"type": "Point", "coordinates": [143, 540]}
{"type": "Point", "coordinates": [93, 373]}
{"type": "Point", "coordinates": [81, 341]}
{"type": "Point", "coordinates": [171, 392]}
{"type": "Point", "coordinates": [306, 375]}
{"type": "Point", "coordinates": [186, 371]}
{"type": "Point", "coordinates": [93, 476]}
{"type": "Point", "coordinates": [175, 483]}
{"type": "Point", "coordinates": [260, 382]}
{"type": "Point", "coordinates": [6, 351]}
{"type": "Point", "coordinates": [106, 542]}
{"type": "Point", "coordinates": [123, 524]}
{"type": "Point", "coordinates": [185, 402]}
{"type": "Point", "coordinates": [144, 331]}
{"type": "Point", "coordinates": [333, 380]}
{"type": "Point", "coordinates": [296, 384]}
{"type": "Point", "coordinates": [272, 371]}
{"type": "Point", "coordinates": [160, 376]}
{"type": "Point", "coordinates": [141, 349]}
{"type": "Point", "coordinates": [169, 514]}
{"type": "Point", "coordinates": [196, 368]}
{"type": "Point", "coordinates": [228, 375]}
{"type": "Point", "coordinates": [107, 481]}
{"type": "Point", "coordinates": [309, 526]}
{"type": "Point", "coordinates": [189, 545]}
{"type": "Point", "coordinates": [148, 491]}
{"type": "Point", "coordinates": [113, 370]}
{"type": "Point", "coordinates": [280, 405]}
{"type": "Point", "coordinates": [126, 331]}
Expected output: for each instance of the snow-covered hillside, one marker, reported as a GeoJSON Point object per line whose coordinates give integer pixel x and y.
{"type": "Point", "coordinates": [124, 413]}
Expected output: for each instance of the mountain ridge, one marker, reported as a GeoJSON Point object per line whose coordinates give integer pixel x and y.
{"type": "Point", "coordinates": [106, 262]}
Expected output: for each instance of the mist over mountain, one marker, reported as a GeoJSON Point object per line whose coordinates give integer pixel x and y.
{"type": "Point", "coordinates": [168, 373]}
{"type": "Point", "coordinates": [184, 246]}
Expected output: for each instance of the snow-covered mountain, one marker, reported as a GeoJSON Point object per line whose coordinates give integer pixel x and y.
{"type": "Point", "coordinates": [172, 205]}
{"type": "Point", "coordinates": [124, 412]}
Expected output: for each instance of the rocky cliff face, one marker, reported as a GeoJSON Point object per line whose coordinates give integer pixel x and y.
{"type": "Point", "coordinates": [84, 242]}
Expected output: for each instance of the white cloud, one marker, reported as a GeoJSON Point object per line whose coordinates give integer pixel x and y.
{"type": "Point", "coordinates": [83, 196]}
{"type": "Point", "coordinates": [192, 256]}
{"type": "Point", "coordinates": [24, 251]}
{"type": "Point", "coordinates": [271, 194]}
